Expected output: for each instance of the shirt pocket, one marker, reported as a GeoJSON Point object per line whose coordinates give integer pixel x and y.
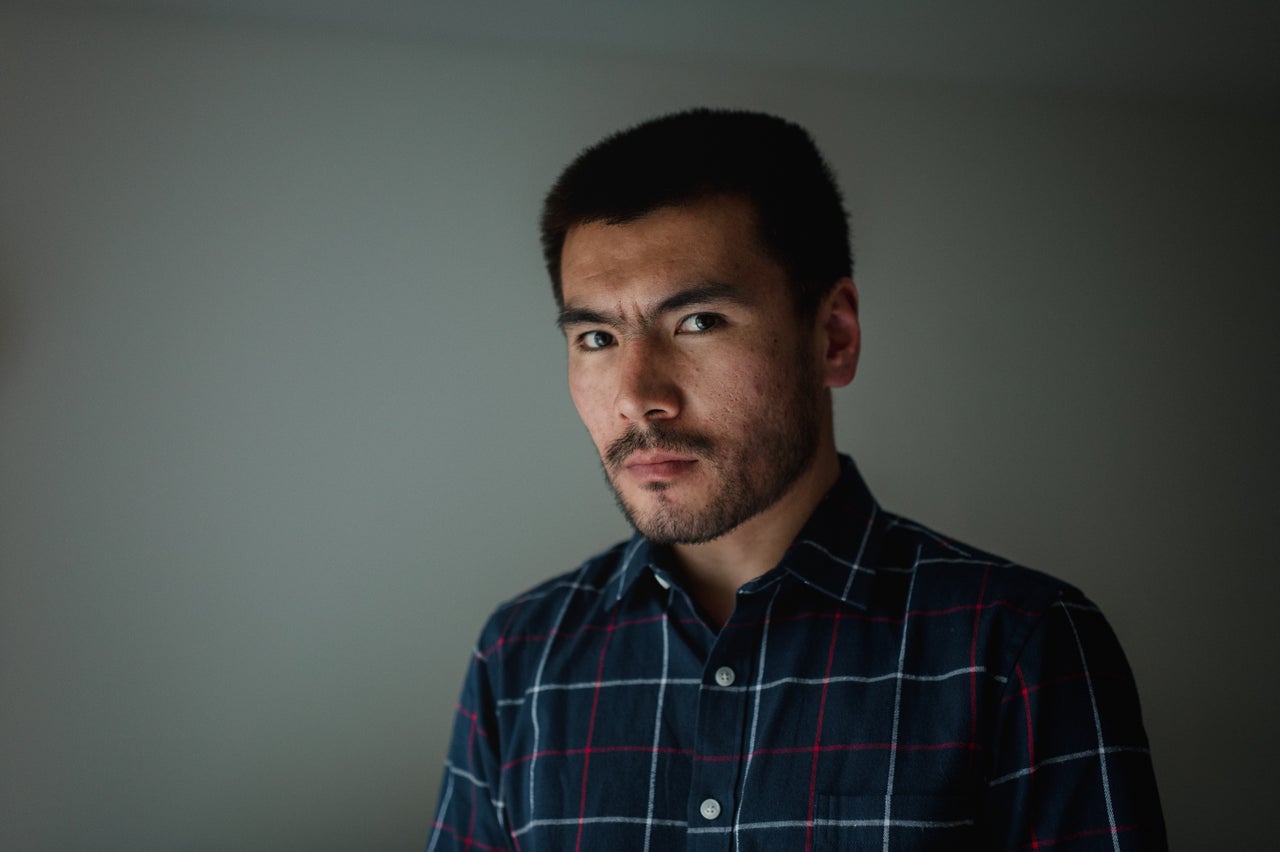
{"type": "Point", "coordinates": [915, 822]}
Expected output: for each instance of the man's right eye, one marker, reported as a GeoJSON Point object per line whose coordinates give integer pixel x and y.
{"type": "Point", "coordinates": [595, 340]}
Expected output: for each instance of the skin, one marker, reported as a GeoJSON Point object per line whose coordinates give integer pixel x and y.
{"type": "Point", "coordinates": [706, 395]}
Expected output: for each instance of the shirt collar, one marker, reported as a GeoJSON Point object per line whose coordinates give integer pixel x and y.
{"type": "Point", "coordinates": [833, 552]}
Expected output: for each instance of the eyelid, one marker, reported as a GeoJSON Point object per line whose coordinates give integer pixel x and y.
{"type": "Point", "coordinates": [716, 321]}
{"type": "Point", "coordinates": [580, 339]}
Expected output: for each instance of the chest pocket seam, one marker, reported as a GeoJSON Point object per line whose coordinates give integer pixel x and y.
{"type": "Point", "coordinates": [917, 822]}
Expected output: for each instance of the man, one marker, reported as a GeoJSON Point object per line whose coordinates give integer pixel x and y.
{"type": "Point", "coordinates": [772, 661]}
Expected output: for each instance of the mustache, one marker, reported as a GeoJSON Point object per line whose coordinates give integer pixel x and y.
{"type": "Point", "coordinates": [636, 439]}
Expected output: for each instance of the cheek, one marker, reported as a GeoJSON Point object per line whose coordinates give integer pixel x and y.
{"type": "Point", "coordinates": [747, 383]}
{"type": "Point", "coordinates": [592, 406]}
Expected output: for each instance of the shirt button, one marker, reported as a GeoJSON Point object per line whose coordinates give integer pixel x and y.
{"type": "Point", "coordinates": [725, 676]}
{"type": "Point", "coordinates": [710, 809]}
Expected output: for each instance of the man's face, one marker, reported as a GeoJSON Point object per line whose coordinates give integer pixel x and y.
{"type": "Point", "coordinates": [699, 385]}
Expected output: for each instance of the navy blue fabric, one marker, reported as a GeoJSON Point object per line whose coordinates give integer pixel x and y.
{"type": "Point", "coordinates": [882, 688]}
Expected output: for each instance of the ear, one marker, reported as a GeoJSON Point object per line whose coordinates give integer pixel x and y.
{"type": "Point", "coordinates": [840, 333]}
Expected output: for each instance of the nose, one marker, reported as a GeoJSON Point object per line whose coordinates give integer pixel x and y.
{"type": "Point", "coordinates": [647, 389]}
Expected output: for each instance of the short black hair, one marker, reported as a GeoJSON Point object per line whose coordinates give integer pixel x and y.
{"type": "Point", "coordinates": [689, 156]}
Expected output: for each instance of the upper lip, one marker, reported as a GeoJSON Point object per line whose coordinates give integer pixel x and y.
{"type": "Point", "coordinates": [655, 457]}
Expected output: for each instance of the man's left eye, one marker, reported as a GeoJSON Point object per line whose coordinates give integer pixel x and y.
{"type": "Point", "coordinates": [699, 322]}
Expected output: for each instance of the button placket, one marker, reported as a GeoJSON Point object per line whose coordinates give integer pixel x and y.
{"type": "Point", "coordinates": [722, 728]}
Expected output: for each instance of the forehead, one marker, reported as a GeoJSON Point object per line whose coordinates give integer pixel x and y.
{"type": "Point", "coordinates": [711, 240]}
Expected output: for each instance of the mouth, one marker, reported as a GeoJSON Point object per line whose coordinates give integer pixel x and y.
{"type": "Point", "coordinates": [658, 466]}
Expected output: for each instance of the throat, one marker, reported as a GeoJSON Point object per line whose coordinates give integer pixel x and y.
{"type": "Point", "coordinates": [715, 600]}
{"type": "Point", "coordinates": [713, 572]}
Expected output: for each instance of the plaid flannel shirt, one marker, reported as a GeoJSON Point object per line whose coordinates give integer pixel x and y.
{"type": "Point", "coordinates": [881, 688]}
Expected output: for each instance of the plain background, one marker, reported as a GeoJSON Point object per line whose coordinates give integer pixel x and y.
{"type": "Point", "coordinates": [283, 417]}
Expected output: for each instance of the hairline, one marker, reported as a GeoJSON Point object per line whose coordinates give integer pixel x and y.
{"type": "Point", "coordinates": [804, 308]}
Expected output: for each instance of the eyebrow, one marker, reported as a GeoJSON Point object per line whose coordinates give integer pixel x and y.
{"type": "Point", "coordinates": [698, 294]}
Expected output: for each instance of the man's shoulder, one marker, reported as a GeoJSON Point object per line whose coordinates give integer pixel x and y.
{"type": "Point", "coordinates": [945, 570]}
{"type": "Point", "coordinates": [572, 595]}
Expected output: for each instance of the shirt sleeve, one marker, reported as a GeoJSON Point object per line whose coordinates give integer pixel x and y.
{"type": "Point", "coordinates": [468, 814]}
{"type": "Point", "coordinates": [1071, 767]}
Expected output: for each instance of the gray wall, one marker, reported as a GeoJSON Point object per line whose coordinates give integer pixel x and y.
{"type": "Point", "coordinates": [282, 413]}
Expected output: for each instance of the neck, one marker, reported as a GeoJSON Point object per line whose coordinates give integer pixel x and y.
{"type": "Point", "coordinates": [715, 570]}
